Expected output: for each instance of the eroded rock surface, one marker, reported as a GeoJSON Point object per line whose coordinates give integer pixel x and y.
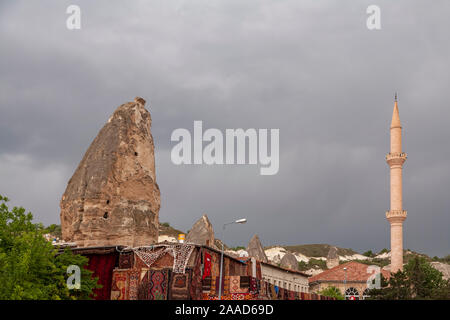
{"type": "Point", "coordinates": [332, 258]}
{"type": "Point", "coordinates": [256, 250]}
{"type": "Point", "coordinates": [442, 267]}
{"type": "Point", "coordinates": [202, 232]}
{"type": "Point", "coordinates": [113, 198]}
{"type": "Point", "coordinates": [289, 261]}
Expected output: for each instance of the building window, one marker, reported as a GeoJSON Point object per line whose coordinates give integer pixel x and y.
{"type": "Point", "coordinates": [366, 294]}
{"type": "Point", "coordinates": [351, 294]}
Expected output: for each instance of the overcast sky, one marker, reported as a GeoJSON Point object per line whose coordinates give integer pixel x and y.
{"type": "Point", "coordinates": [310, 68]}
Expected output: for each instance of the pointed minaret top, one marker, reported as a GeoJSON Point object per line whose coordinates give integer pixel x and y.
{"type": "Point", "coordinates": [395, 115]}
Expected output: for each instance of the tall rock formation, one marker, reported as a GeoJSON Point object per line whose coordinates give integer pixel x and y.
{"type": "Point", "coordinates": [332, 258]}
{"type": "Point", "coordinates": [255, 249]}
{"type": "Point", "coordinates": [289, 261]}
{"type": "Point", "coordinates": [112, 198]}
{"type": "Point", "coordinates": [202, 232]}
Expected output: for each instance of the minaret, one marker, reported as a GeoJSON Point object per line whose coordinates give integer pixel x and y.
{"type": "Point", "coordinates": [396, 215]}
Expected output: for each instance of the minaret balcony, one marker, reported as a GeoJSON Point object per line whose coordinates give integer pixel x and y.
{"type": "Point", "coordinates": [396, 215]}
{"type": "Point", "coordinates": [396, 158]}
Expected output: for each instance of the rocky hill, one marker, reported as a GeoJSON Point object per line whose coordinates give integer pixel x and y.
{"type": "Point", "coordinates": [168, 233]}
{"type": "Point", "coordinates": [312, 257]}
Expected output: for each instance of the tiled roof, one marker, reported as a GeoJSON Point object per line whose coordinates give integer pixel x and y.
{"type": "Point", "coordinates": [355, 272]}
{"type": "Point", "coordinates": [284, 268]}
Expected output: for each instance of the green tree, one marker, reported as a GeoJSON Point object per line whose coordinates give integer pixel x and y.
{"type": "Point", "coordinates": [30, 267]}
{"type": "Point", "coordinates": [418, 280]}
{"type": "Point", "coordinates": [426, 281]}
{"type": "Point", "coordinates": [53, 229]}
{"type": "Point", "coordinates": [332, 292]}
{"type": "Point", "coordinates": [369, 254]}
{"type": "Point", "coordinates": [302, 265]}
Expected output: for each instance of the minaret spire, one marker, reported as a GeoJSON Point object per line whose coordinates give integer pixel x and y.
{"type": "Point", "coordinates": [395, 159]}
{"type": "Point", "coordinates": [395, 123]}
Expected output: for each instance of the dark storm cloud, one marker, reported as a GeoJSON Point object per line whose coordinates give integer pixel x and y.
{"type": "Point", "coordinates": [310, 68]}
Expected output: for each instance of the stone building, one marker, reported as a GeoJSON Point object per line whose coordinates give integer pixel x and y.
{"type": "Point", "coordinates": [350, 278]}
{"type": "Point", "coordinates": [285, 278]}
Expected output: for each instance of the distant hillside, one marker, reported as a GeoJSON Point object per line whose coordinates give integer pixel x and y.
{"type": "Point", "coordinates": [165, 229]}
{"type": "Point", "coordinates": [318, 250]}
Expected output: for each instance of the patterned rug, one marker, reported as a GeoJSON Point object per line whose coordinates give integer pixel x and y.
{"type": "Point", "coordinates": [291, 295]}
{"type": "Point", "coordinates": [245, 282]}
{"type": "Point", "coordinates": [207, 268]}
{"type": "Point", "coordinates": [133, 284]}
{"type": "Point", "coordinates": [232, 296]}
{"type": "Point", "coordinates": [119, 286]}
{"type": "Point", "coordinates": [253, 285]}
{"type": "Point", "coordinates": [180, 252]}
{"type": "Point", "coordinates": [126, 260]}
{"type": "Point", "coordinates": [154, 285]}
{"type": "Point", "coordinates": [150, 255]}
{"type": "Point", "coordinates": [206, 285]}
{"type": "Point", "coordinates": [179, 286]}
{"type": "Point", "coordinates": [196, 279]}
{"type": "Point", "coordinates": [262, 289]}
{"type": "Point", "coordinates": [235, 284]}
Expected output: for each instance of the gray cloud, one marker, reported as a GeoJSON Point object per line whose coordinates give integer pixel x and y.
{"type": "Point", "coordinates": [310, 68]}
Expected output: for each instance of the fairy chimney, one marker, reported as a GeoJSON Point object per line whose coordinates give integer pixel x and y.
{"type": "Point", "coordinates": [202, 232]}
{"type": "Point", "coordinates": [113, 198]}
{"type": "Point", "coordinates": [289, 261]}
{"type": "Point", "coordinates": [255, 249]}
{"type": "Point", "coordinates": [332, 258]}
